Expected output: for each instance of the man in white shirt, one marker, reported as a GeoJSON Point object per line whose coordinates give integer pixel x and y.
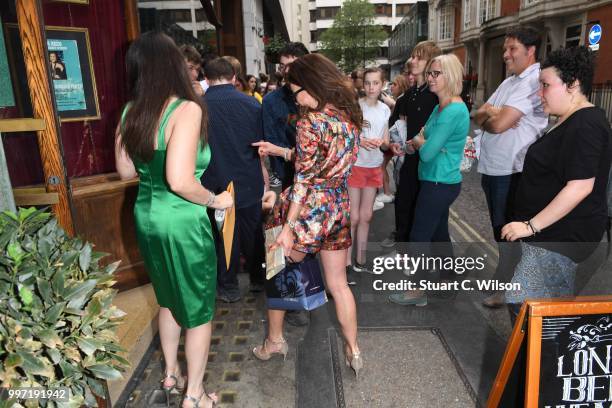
{"type": "Point", "coordinates": [511, 120]}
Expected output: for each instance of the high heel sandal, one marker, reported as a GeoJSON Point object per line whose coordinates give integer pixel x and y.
{"type": "Point", "coordinates": [263, 352]}
{"type": "Point", "coordinates": [354, 361]}
{"type": "Point", "coordinates": [175, 388]}
{"type": "Point", "coordinates": [212, 397]}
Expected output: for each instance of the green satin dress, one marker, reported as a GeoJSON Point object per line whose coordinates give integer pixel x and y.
{"type": "Point", "coordinates": [175, 238]}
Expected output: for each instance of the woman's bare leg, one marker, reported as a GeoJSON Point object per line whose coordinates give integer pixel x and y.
{"type": "Point", "coordinates": [197, 345]}
{"type": "Point", "coordinates": [386, 188]}
{"type": "Point", "coordinates": [368, 195]}
{"type": "Point", "coordinates": [335, 278]}
{"type": "Point", "coordinates": [170, 335]}
{"type": "Point", "coordinates": [354, 200]}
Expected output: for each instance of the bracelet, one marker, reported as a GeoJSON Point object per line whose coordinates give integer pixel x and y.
{"type": "Point", "coordinates": [529, 227]}
{"type": "Point", "coordinates": [211, 199]}
{"type": "Point", "coordinates": [534, 229]}
{"type": "Point", "coordinates": [291, 224]}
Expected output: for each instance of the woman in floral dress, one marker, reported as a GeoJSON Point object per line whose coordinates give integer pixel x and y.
{"type": "Point", "coordinates": [315, 211]}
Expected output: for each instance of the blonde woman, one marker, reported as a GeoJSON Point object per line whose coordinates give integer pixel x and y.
{"type": "Point", "coordinates": [440, 144]}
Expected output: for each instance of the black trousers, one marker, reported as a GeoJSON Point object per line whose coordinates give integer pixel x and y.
{"type": "Point", "coordinates": [248, 241]}
{"type": "Point", "coordinates": [406, 197]}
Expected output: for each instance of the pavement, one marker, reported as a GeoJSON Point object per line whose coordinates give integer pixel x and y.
{"type": "Point", "coordinates": [445, 354]}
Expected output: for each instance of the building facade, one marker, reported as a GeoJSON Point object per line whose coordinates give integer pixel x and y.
{"type": "Point", "coordinates": [297, 16]}
{"type": "Point", "coordinates": [240, 29]}
{"type": "Point", "coordinates": [474, 30]}
{"type": "Point", "coordinates": [388, 14]}
{"type": "Point", "coordinates": [412, 28]}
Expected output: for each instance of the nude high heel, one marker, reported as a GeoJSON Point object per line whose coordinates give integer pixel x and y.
{"type": "Point", "coordinates": [354, 361]}
{"type": "Point", "coordinates": [269, 348]}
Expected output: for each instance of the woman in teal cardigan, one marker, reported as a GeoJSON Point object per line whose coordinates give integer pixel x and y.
{"type": "Point", "coordinates": [440, 144]}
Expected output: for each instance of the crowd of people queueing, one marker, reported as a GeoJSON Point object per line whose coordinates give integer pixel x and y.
{"type": "Point", "coordinates": [326, 137]}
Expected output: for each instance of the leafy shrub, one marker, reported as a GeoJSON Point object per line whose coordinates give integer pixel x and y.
{"type": "Point", "coordinates": [56, 315]}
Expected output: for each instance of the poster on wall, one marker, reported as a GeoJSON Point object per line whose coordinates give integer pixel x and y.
{"type": "Point", "coordinates": [7, 98]}
{"type": "Point", "coordinates": [70, 63]}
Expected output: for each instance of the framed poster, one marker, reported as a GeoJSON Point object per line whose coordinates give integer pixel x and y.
{"type": "Point", "coordinates": [74, 82]}
{"type": "Point", "coordinates": [70, 1]}
{"type": "Point", "coordinates": [6, 87]}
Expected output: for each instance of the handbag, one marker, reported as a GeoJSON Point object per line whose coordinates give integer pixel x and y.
{"type": "Point", "coordinates": [469, 155]}
{"type": "Point", "coordinates": [299, 286]}
{"type": "Point", "coordinates": [275, 258]}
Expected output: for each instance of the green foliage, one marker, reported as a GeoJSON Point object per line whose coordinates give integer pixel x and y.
{"type": "Point", "coordinates": [353, 40]}
{"type": "Point", "coordinates": [57, 320]}
{"type": "Point", "coordinates": [272, 47]}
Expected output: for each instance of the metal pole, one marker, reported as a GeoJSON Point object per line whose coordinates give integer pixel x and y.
{"type": "Point", "coordinates": [6, 191]}
{"type": "Point", "coordinates": [364, 43]}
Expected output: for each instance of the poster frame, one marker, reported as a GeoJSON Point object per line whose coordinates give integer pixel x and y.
{"type": "Point", "coordinates": [81, 36]}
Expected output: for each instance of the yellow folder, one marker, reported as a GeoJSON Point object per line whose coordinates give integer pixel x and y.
{"type": "Point", "coordinates": [228, 226]}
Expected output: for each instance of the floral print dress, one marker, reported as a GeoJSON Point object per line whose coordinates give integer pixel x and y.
{"type": "Point", "coordinates": [326, 149]}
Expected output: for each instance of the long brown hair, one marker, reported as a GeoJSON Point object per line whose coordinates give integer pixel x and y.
{"type": "Point", "coordinates": [156, 71]}
{"type": "Point", "coordinates": [325, 83]}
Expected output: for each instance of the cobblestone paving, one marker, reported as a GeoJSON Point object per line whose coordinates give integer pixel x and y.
{"type": "Point", "coordinates": [238, 378]}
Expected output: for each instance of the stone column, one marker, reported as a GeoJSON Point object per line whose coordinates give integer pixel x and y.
{"type": "Point", "coordinates": [480, 89]}
{"type": "Point", "coordinates": [6, 191]}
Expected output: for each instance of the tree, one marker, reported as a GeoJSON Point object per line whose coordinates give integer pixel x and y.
{"type": "Point", "coordinates": [353, 39]}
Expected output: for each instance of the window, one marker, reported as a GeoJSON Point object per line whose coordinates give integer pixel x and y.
{"type": "Point", "coordinates": [573, 35]}
{"type": "Point", "coordinates": [446, 22]}
{"type": "Point", "coordinates": [313, 36]}
{"type": "Point", "coordinates": [328, 12]}
{"type": "Point", "coordinates": [466, 13]}
{"type": "Point", "coordinates": [486, 10]}
{"type": "Point", "coordinates": [402, 9]}
{"type": "Point", "coordinates": [313, 16]}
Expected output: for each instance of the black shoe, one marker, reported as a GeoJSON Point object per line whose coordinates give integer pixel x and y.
{"type": "Point", "coordinates": [350, 279]}
{"type": "Point", "coordinates": [228, 297]}
{"type": "Point", "coordinates": [256, 287]}
{"type": "Point", "coordinates": [297, 318]}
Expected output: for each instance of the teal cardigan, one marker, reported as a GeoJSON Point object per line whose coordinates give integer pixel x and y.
{"type": "Point", "coordinates": [445, 134]}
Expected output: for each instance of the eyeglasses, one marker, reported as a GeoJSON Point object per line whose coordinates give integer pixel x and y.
{"type": "Point", "coordinates": [434, 74]}
{"type": "Point", "coordinates": [295, 94]}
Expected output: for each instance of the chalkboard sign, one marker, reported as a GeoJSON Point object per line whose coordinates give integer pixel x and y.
{"type": "Point", "coordinates": [576, 361]}
{"type": "Point", "coordinates": [569, 354]}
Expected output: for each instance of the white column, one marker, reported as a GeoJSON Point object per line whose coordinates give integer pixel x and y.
{"type": "Point", "coordinates": [480, 88]}
{"type": "Point", "coordinates": [6, 191]}
{"type": "Point", "coordinates": [194, 30]}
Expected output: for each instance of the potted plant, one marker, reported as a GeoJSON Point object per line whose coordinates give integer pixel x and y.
{"type": "Point", "coordinates": [272, 46]}
{"type": "Point", "coordinates": [57, 320]}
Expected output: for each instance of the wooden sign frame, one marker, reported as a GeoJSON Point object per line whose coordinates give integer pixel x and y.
{"type": "Point", "coordinates": [529, 324]}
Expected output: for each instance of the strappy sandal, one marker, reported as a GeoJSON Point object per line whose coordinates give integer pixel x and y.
{"type": "Point", "coordinates": [212, 397]}
{"type": "Point", "coordinates": [172, 389]}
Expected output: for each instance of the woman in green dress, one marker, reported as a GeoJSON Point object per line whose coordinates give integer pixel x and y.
{"type": "Point", "coordinates": [161, 138]}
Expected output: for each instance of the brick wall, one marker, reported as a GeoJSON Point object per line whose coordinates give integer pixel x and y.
{"type": "Point", "coordinates": [509, 7]}
{"type": "Point", "coordinates": [604, 55]}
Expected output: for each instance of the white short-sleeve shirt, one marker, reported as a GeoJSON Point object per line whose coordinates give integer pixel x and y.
{"type": "Point", "coordinates": [502, 154]}
{"type": "Point", "coordinates": [377, 119]}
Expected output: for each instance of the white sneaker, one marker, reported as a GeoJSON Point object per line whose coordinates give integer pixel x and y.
{"type": "Point", "coordinates": [377, 205]}
{"type": "Point", "coordinates": [385, 198]}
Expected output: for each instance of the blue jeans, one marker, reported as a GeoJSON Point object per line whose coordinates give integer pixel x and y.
{"type": "Point", "coordinates": [431, 222]}
{"type": "Point", "coordinates": [431, 213]}
{"type": "Point", "coordinates": [499, 193]}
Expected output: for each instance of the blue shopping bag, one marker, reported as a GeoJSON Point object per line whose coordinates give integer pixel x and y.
{"type": "Point", "coordinates": [299, 286]}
